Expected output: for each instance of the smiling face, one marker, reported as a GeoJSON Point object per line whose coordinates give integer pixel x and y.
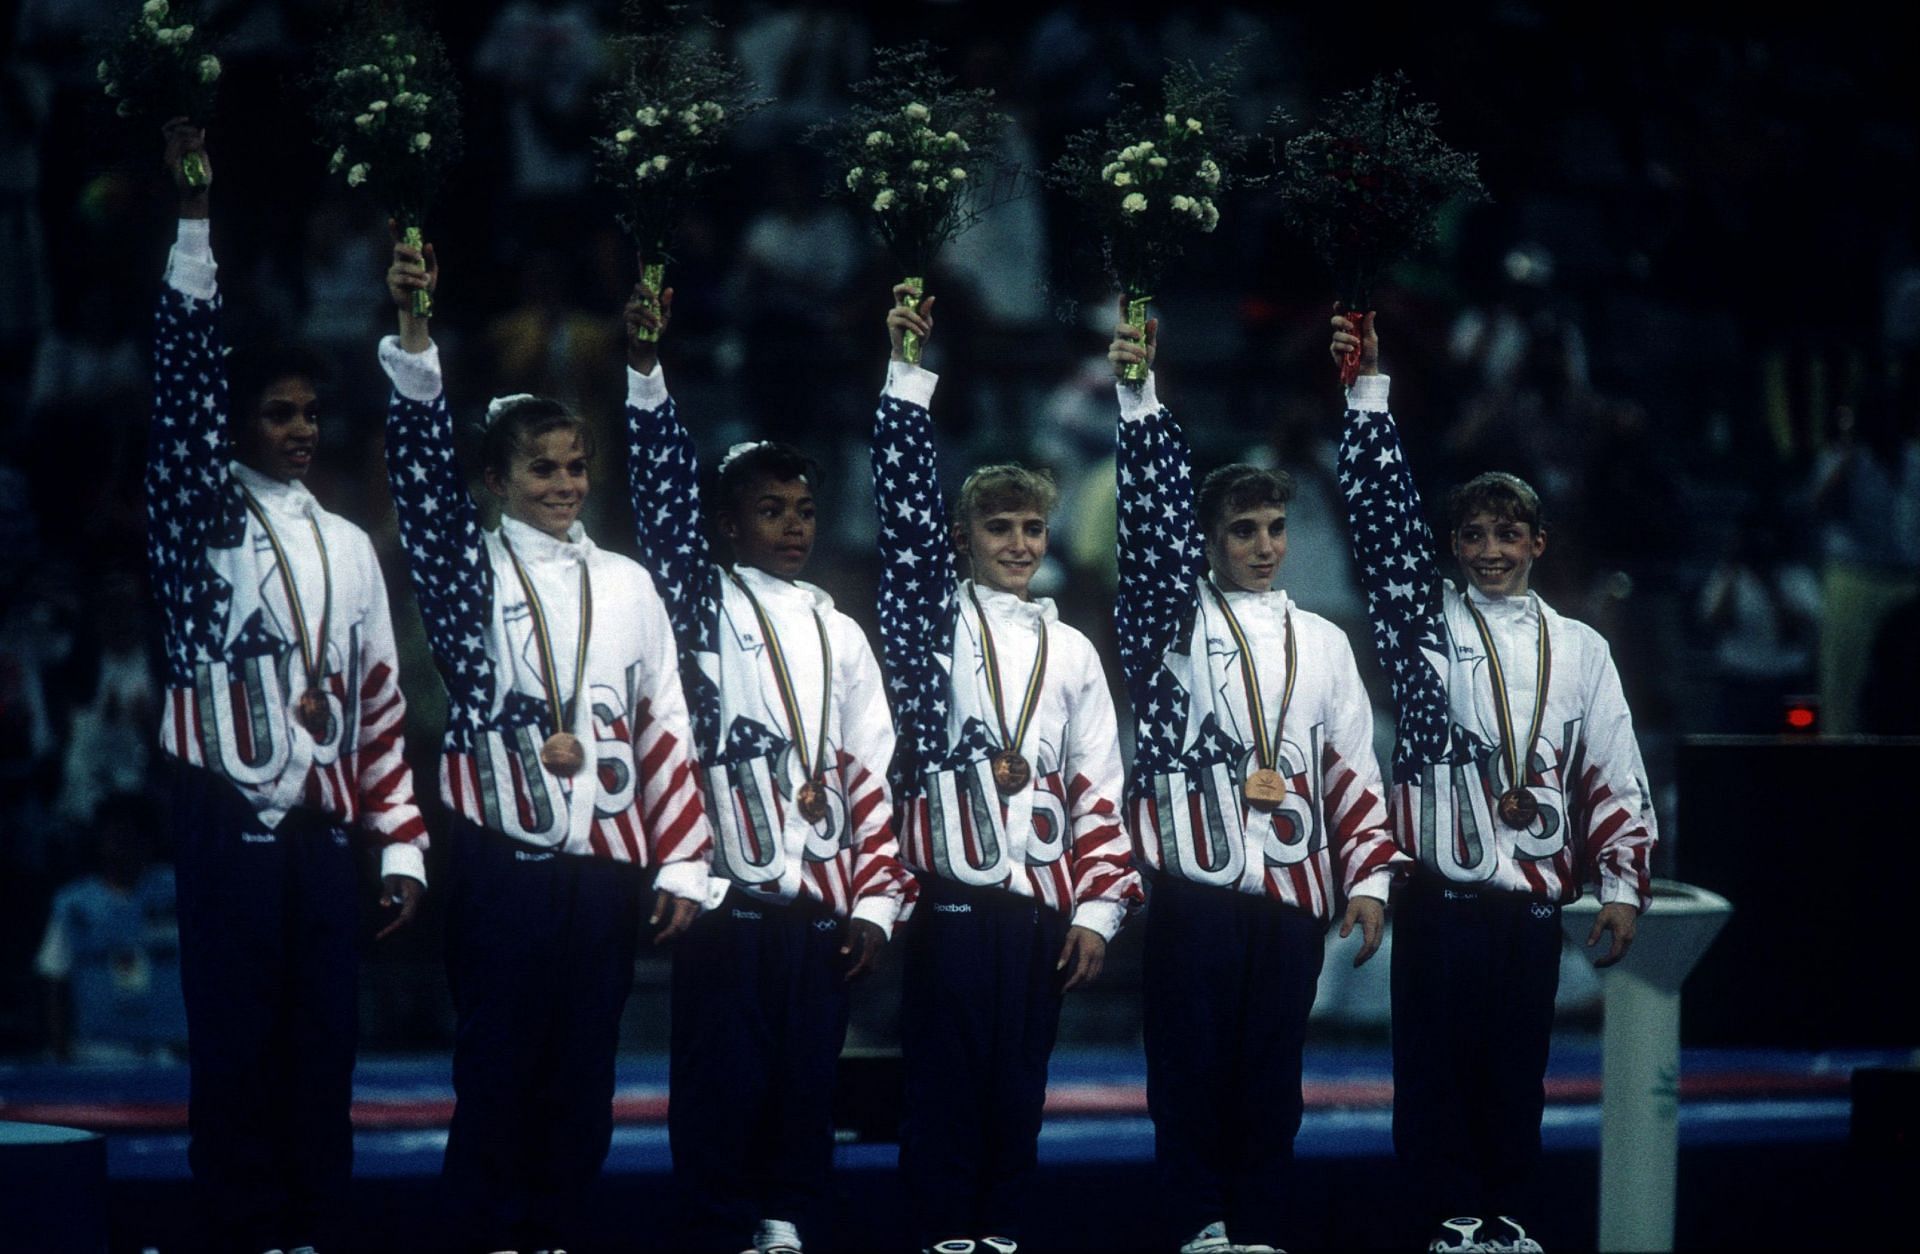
{"type": "Point", "coordinates": [1246, 549]}
{"type": "Point", "coordinates": [771, 525]}
{"type": "Point", "coordinates": [1005, 548]}
{"type": "Point", "coordinates": [1497, 554]}
{"type": "Point", "coordinates": [278, 437]}
{"type": "Point", "coordinates": [545, 482]}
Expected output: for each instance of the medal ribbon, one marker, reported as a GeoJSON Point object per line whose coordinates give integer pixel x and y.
{"type": "Point", "coordinates": [1017, 737]}
{"type": "Point", "coordinates": [783, 680]}
{"type": "Point", "coordinates": [1263, 748]}
{"type": "Point", "coordinates": [543, 639]}
{"type": "Point", "coordinates": [1517, 760]}
{"type": "Point", "coordinates": [313, 658]}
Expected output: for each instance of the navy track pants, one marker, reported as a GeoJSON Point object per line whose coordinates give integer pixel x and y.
{"type": "Point", "coordinates": [759, 1016]}
{"type": "Point", "coordinates": [267, 967]}
{"type": "Point", "coordinates": [540, 949]}
{"type": "Point", "coordinates": [1229, 981]}
{"type": "Point", "coordinates": [1474, 976]}
{"type": "Point", "coordinates": [978, 1016]}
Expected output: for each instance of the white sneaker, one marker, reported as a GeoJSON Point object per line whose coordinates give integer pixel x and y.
{"type": "Point", "coordinates": [999, 1245]}
{"type": "Point", "coordinates": [1462, 1236]}
{"type": "Point", "coordinates": [959, 1245]}
{"type": "Point", "coordinates": [1518, 1243]}
{"type": "Point", "coordinates": [1211, 1239]}
{"type": "Point", "coordinates": [776, 1236]}
{"type": "Point", "coordinates": [1256, 1249]}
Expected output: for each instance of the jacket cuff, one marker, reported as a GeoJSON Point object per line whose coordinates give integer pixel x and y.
{"type": "Point", "coordinates": [647, 391]}
{"type": "Point", "coordinates": [1369, 393]}
{"type": "Point", "coordinates": [190, 266]}
{"type": "Point", "coordinates": [683, 879]}
{"type": "Point", "coordinates": [880, 910]}
{"type": "Point", "coordinates": [1103, 917]}
{"type": "Point", "coordinates": [1613, 888]}
{"type": "Point", "coordinates": [911, 383]}
{"type": "Point", "coordinates": [415, 376]}
{"type": "Point", "coordinates": [406, 859]}
{"type": "Point", "coordinates": [1375, 886]}
{"type": "Point", "coordinates": [1138, 403]}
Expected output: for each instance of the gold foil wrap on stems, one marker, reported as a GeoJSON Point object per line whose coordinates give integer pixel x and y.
{"type": "Point", "coordinates": [422, 298]}
{"type": "Point", "coordinates": [654, 275]}
{"type": "Point", "coordinates": [1136, 372]}
{"type": "Point", "coordinates": [193, 168]}
{"type": "Point", "coordinates": [910, 343]}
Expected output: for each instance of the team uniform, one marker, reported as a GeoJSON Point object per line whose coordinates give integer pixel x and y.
{"type": "Point", "coordinates": [1004, 874]}
{"type": "Point", "coordinates": [1477, 933]}
{"type": "Point", "coordinates": [759, 997]}
{"type": "Point", "coordinates": [283, 712]}
{"type": "Point", "coordinates": [1241, 897]}
{"type": "Point", "coordinates": [546, 901]}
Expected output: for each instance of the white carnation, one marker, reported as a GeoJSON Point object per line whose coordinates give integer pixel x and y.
{"type": "Point", "coordinates": [154, 10]}
{"type": "Point", "coordinates": [1144, 147]}
{"type": "Point", "coordinates": [853, 177]}
{"type": "Point", "coordinates": [660, 162]}
{"type": "Point", "coordinates": [917, 166]}
{"type": "Point", "coordinates": [939, 185]}
{"type": "Point", "coordinates": [883, 201]}
{"type": "Point", "coordinates": [410, 60]}
{"type": "Point", "coordinates": [113, 92]}
{"type": "Point", "coordinates": [1109, 170]}
{"type": "Point", "coordinates": [419, 101]}
{"type": "Point", "coordinates": [378, 106]}
{"type": "Point", "coordinates": [338, 159]}
{"type": "Point", "coordinates": [957, 174]}
{"type": "Point", "coordinates": [364, 121]}
{"type": "Point", "coordinates": [1209, 216]}
{"type": "Point", "coordinates": [1134, 203]}
{"type": "Point", "coordinates": [1210, 173]}
{"type": "Point", "coordinates": [1182, 204]}
{"type": "Point", "coordinates": [103, 72]}
{"type": "Point", "coordinates": [341, 76]}
{"type": "Point", "coordinates": [625, 137]}
{"type": "Point", "coordinates": [1122, 179]}
{"type": "Point", "coordinates": [647, 115]}
{"type": "Point", "coordinates": [1170, 120]}
{"type": "Point", "coordinates": [1193, 126]}
{"type": "Point", "coordinates": [877, 139]}
{"type": "Point", "coordinates": [420, 142]}
{"type": "Point", "coordinates": [358, 174]}
{"type": "Point", "coordinates": [177, 36]}
{"type": "Point", "coordinates": [124, 109]}
{"type": "Point", "coordinates": [1158, 163]}
{"type": "Point", "coordinates": [643, 171]}
{"type": "Point", "coordinates": [711, 111]}
{"type": "Point", "coordinates": [917, 112]}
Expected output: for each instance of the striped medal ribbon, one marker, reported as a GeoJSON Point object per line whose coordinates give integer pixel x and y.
{"type": "Point", "coordinates": [563, 754]}
{"type": "Point", "coordinates": [312, 709]}
{"type": "Point", "coordinates": [1011, 771]}
{"type": "Point", "coordinates": [812, 795]}
{"type": "Point", "coordinates": [1517, 807]}
{"type": "Point", "coordinates": [1265, 788]}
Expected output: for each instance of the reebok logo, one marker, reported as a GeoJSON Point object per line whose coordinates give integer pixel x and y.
{"type": "Point", "coordinates": [952, 907]}
{"type": "Point", "coordinates": [1454, 894]}
{"type": "Point", "coordinates": [258, 838]}
{"type": "Point", "coordinates": [524, 855]}
{"type": "Point", "coordinates": [738, 913]}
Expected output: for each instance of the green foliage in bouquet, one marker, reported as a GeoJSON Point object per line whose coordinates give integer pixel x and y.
{"type": "Point", "coordinates": [1367, 187]}
{"type": "Point", "coordinates": [665, 123]}
{"type": "Point", "coordinates": [388, 110]}
{"type": "Point", "coordinates": [912, 153]}
{"type": "Point", "coordinates": [161, 68]}
{"type": "Point", "coordinates": [1149, 179]}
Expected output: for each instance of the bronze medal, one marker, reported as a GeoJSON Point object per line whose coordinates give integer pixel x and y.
{"type": "Point", "coordinates": [1011, 772]}
{"type": "Point", "coordinates": [1265, 789]}
{"type": "Point", "coordinates": [563, 754]}
{"type": "Point", "coordinates": [314, 713]}
{"type": "Point", "coordinates": [812, 800]}
{"type": "Point", "coordinates": [1518, 809]}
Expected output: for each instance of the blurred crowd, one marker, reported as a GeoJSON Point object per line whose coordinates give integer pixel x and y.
{"type": "Point", "coordinates": [1690, 317]}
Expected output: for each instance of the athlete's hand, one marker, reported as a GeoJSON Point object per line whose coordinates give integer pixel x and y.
{"type": "Point", "coordinates": [402, 892]}
{"type": "Point", "coordinates": [1129, 347]}
{"type": "Point", "coordinates": [413, 270]}
{"type": "Point", "coordinates": [672, 915]}
{"type": "Point", "coordinates": [643, 314]}
{"type": "Point", "coordinates": [1354, 332]}
{"type": "Point", "coordinates": [862, 946]}
{"type": "Point", "coordinates": [1371, 915]}
{"type": "Point", "coordinates": [183, 137]}
{"type": "Point", "coordinates": [1081, 958]}
{"type": "Point", "coordinates": [1621, 918]}
{"type": "Point", "coordinates": [901, 319]}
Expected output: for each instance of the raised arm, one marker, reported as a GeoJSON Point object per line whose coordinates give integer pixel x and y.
{"type": "Point", "coordinates": [663, 478]}
{"type": "Point", "coordinates": [1160, 548]}
{"type": "Point", "coordinates": [188, 506]}
{"type": "Point", "coordinates": [917, 572]}
{"type": "Point", "coordinates": [1393, 549]}
{"type": "Point", "coordinates": [439, 523]}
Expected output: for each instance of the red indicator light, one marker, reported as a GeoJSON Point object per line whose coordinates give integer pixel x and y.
{"type": "Point", "coordinates": [1800, 718]}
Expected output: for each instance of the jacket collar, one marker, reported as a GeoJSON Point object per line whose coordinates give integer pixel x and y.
{"type": "Point", "coordinates": [771, 588]}
{"type": "Point", "coordinates": [1274, 599]}
{"type": "Point", "coordinates": [285, 499]}
{"type": "Point", "coordinates": [1006, 607]}
{"type": "Point", "coordinates": [534, 546]}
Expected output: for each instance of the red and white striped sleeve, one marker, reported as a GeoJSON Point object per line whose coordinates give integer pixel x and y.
{"type": "Point", "coordinates": [384, 780]}
{"type": "Point", "coordinates": [883, 889]}
{"type": "Point", "coordinates": [1351, 793]}
{"type": "Point", "coordinates": [1106, 887]}
{"type": "Point", "coordinates": [679, 841]}
{"type": "Point", "coordinates": [1613, 809]}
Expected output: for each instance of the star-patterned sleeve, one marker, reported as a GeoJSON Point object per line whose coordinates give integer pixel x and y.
{"type": "Point", "coordinates": [663, 482]}
{"type": "Point", "coordinates": [1393, 549]}
{"type": "Point", "coordinates": [883, 890]}
{"type": "Point", "coordinates": [188, 505]}
{"type": "Point", "coordinates": [917, 576]}
{"type": "Point", "coordinates": [440, 531]}
{"type": "Point", "coordinates": [1106, 887]}
{"type": "Point", "coordinates": [1160, 549]}
{"type": "Point", "coordinates": [1351, 791]}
